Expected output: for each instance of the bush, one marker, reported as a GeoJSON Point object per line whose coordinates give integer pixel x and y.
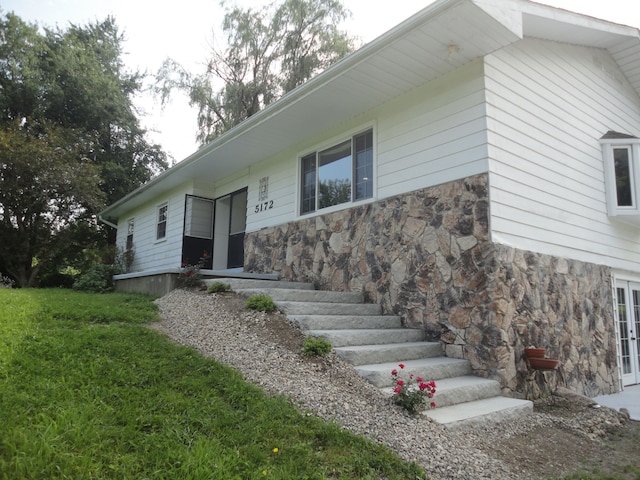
{"type": "Point", "coordinates": [316, 346]}
{"type": "Point", "coordinates": [98, 279]}
{"type": "Point", "coordinates": [218, 287]}
{"type": "Point", "coordinates": [261, 302]}
{"type": "Point", "coordinates": [190, 276]}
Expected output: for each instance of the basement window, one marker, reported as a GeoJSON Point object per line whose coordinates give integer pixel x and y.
{"type": "Point", "coordinates": [621, 155]}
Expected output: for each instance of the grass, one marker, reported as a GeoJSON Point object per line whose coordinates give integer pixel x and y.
{"type": "Point", "coordinates": [627, 472]}
{"type": "Point", "coordinates": [87, 391]}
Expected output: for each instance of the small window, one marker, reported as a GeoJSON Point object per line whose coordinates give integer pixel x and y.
{"type": "Point", "coordinates": [621, 155]}
{"type": "Point", "coordinates": [339, 174]}
{"type": "Point", "coordinates": [623, 171]}
{"type": "Point", "coordinates": [161, 230]}
{"type": "Point", "coordinates": [130, 226]}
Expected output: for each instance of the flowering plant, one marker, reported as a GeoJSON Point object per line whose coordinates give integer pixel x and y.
{"type": "Point", "coordinates": [412, 391]}
{"type": "Point", "coordinates": [190, 275]}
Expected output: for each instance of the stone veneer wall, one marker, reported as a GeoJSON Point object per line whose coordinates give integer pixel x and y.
{"type": "Point", "coordinates": [427, 256]}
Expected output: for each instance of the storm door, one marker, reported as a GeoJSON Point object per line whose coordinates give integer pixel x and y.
{"type": "Point", "coordinates": [197, 241]}
{"type": "Point", "coordinates": [628, 326]}
{"type": "Point", "coordinates": [229, 230]}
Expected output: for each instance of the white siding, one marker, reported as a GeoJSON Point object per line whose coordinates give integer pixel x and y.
{"type": "Point", "coordinates": [547, 106]}
{"type": "Point", "coordinates": [433, 135]}
{"type": "Point", "coordinates": [151, 254]}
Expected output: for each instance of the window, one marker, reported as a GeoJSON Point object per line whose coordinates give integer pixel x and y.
{"type": "Point", "coordinates": [339, 174]}
{"type": "Point", "coordinates": [198, 221]}
{"type": "Point", "coordinates": [161, 230]}
{"type": "Point", "coordinates": [129, 244]}
{"type": "Point", "coordinates": [621, 155]}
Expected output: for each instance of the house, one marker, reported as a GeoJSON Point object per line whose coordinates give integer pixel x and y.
{"type": "Point", "coordinates": [476, 170]}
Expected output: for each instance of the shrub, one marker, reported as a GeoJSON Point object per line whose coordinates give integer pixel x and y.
{"type": "Point", "coordinates": [98, 279]}
{"type": "Point", "coordinates": [316, 346]}
{"type": "Point", "coordinates": [218, 287]}
{"type": "Point", "coordinates": [261, 302]}
{"type": "Point", "coordinates": [190, 276]}
{"type": "Point", "coordinates": [6, 282]}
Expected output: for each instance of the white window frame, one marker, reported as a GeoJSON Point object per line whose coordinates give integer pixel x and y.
{"type": "Point", "coordinates": [350, 136]}
{"type": "Point", "coordinates": [631, 212]}
{"type": "Point", "coordinates": [160, 220]}
{"type": "Point", "coordinates": [128, 244]}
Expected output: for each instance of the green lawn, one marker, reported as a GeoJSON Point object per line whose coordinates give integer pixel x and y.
{"type": "Point", "coordinates": [86, 391]}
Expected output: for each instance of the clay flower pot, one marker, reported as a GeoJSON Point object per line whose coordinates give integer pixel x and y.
{"type": "Point", "coordinates": [543, 363]}
{"type": "Point", "coordinates": [535, 352]}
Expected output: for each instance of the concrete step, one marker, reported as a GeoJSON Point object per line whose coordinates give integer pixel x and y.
{"type": "Point", "coordinates": [345, 338]}
{"type": "Point", "coordinates": [437, 368]}
{"type": "Point", "coordinates": [479, 412]}
{"type": "Point", "coordinates": [240, 283]}
{"type": "Point", "coordinates": [468, 388]}
{"type": "Point", "coordinates": [334, 322]}
{"type": "Point", "coordinates": [297, 295]}
{"type": "Point", "coordinates": [321, 308]}
{"type": "Point", "coordinates": [389, 352]}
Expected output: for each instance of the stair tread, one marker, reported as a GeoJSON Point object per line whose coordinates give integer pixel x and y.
{"type": "Point", "coordinates": [474, 411]}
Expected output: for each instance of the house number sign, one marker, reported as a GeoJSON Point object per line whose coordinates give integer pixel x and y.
{"type": "Point", "coordinates": [263, 196]}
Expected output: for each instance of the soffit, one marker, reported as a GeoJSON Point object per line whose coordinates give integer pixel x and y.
{"type": "Point", "coordinates": [623, 42]}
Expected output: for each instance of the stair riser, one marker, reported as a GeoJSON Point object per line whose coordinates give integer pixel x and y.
{"type": "Point", "coordinates": [312, 308]}
{"type": "Point", "coordinates": [336, 322]}
{"type": "Point", "coordinates": [344, 338]}
{"type": "Point", "coordinates": [466, 394]}
{"type": "Point", "coordinates": [507, 414]}
{"type": "Point", "coordinates": [290, 295]}
{"type": "Point", "coordinates": [242, 283]}
{"type": "Point", "coordinates": [395, 353]}
{"type": "Point", "coordinates": [432, 372]}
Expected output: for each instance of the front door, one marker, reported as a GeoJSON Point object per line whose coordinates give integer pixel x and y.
{"type": "Point", "coordinates": [628, 328]}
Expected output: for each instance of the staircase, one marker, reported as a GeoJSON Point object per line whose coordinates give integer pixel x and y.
{"type": "Point", "coordinates": [375, 344]}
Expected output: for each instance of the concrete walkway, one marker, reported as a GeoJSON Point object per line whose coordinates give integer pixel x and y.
{"type": "Point", "coordinates": [629, 398]}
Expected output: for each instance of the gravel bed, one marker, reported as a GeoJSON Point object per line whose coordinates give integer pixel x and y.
{"type": "Point", "coordinates": [332, 390]}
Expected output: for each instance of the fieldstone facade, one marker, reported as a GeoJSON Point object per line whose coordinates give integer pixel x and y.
{"type": "Point", "coordinates": [427, 256]}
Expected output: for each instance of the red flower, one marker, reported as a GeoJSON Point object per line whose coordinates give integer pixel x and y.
{"type": "Point", "coordinates": [422, 386]}
{"type": "Point", "coordinates": [397, 390]}
{"type": "Point", "coordinates": [419, 379]}
{"type": "Point", "coordinates": [394, 372]}
{"type": "Point", "coordinates": [401, 365]}
{"type": "Point", "coordinates": [433, 404]}
{"type": "Point", "coordinates": [400, 382]}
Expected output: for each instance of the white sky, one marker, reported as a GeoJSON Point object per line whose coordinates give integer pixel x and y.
{"type": "Point", "coordinates": [182, 30]}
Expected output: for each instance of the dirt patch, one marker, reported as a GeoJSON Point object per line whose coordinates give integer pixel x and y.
{"type": "Point", "coordinates": [575, 438]}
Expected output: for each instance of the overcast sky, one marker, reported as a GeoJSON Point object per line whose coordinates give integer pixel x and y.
{"type": "Point", "coordinates": [182, 30]}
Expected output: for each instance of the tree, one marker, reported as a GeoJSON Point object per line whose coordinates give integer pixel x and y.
{"type": "Point", "coordinates": [71, 140]}
{"type": "Point", "coordinates": [45, 186]}
{"type": "Point", "coordinates": [269, 52]}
